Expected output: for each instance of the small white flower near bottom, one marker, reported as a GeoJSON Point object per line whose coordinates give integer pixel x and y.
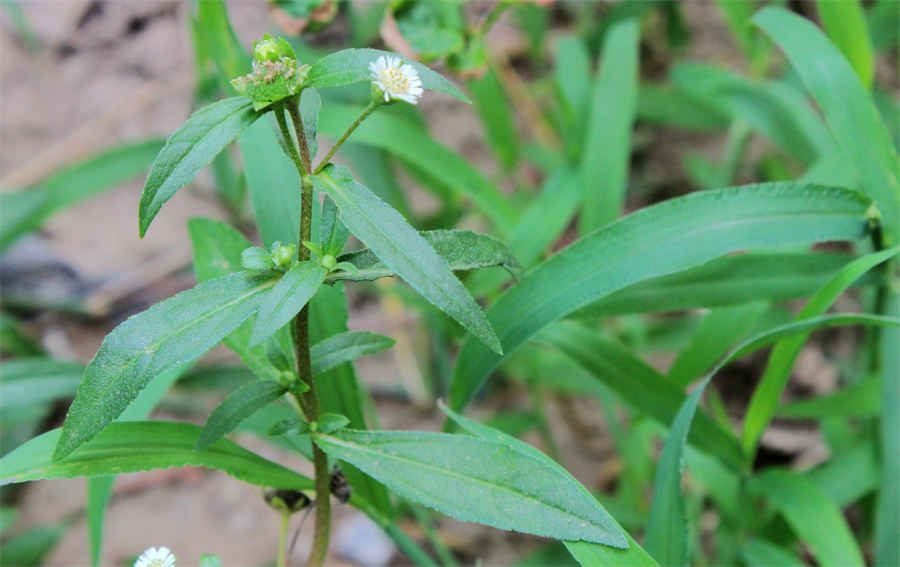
{"type": "Point", "coordinates": [156, 557]}
{"type": "Point", "coordinates": [398, 80]}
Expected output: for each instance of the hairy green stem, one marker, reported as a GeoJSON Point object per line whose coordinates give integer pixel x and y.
{"type": "Point", "coordinates": [289, 141]}
{"type": "Point", "coordinates": [365, 114]}
{"type": "Point", "coordinates": [308, 400]}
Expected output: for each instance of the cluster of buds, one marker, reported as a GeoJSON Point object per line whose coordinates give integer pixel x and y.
{"type": "Point", "coordinates": [276, 73]}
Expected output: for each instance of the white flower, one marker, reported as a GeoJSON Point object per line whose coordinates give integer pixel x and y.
{"type": "Point", "coordinates": [398, 80]}
{"type": "Point", "coordinates": [156, 557]}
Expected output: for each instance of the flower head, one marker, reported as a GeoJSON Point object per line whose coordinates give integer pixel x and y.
{"type": "Point", "coordinates": [156, 557]}
{"type": "Point", "coordinates": [396, 79]}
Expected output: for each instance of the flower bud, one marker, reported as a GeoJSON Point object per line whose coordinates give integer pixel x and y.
{"type": "Point", "coordinates": [271, 49]}
{"type": "Point", "coordinates": [328, 262]}
{"type": "Point", "coordinates": [283, 254]}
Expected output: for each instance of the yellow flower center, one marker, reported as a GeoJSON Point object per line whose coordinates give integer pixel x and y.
{"type": "Point", "coordinates": [394, 80]}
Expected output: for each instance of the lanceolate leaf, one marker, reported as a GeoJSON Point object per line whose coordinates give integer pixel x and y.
{"type": "Point", "coordinates": [887, 523]}
{"type": "Point", "coordinates": [669, 237]}
{"type": "Point", "coordinates": [344, 347]}
{"type": "Point", "coordinates": [171, 333]}
{"type": "Point", "coordinates": [27, 381]}
{"type": "Point", "coordinates": [133, 446]}
{"type": "Point", "coordinates": [190, 148]}
{"type": "Point", "coordinates": [667, 531]}
{"type": "Point", "coordinates": [237, 406]}
{"type": "Point", "coordinates": [402, 249]}
{"type": "Point", "coordinates": [815, 519]}
{"type": "Point", "coordinates": [461, 249]}
{"type": "Point", "coordinates": [765, 398]}
{"type": "Point", "coordinates": [475, 480]}
{"type": "Point", "coordinates": [732, 280]}
{"type": "Point", "coordinates": [23, 211]}
{"type": "Point", "coordinates": [274, 184]}
{"type": "Point", "coordinates": [845, 24]}
{"type": "Point", "coordinates": [605, 159]}
{"type": "Point", "coordinates": [639, 385]}
{"type": "Point", "coordinates": [617, 534]}
{"type": "Point", "coordinates": [352, 66]}
{"type": "Point", "coordinates": [286, 299]}
{"type": "Point", "coordinates": [848, 109]}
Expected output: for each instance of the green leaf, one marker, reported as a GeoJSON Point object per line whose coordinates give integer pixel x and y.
{"type": "Point", "coordinates": [764, 402]}
{"type": "Point", "coordinates": [344, 347]}
{"type": "Point", "coordinates": [274, 184]}
{"type": "Point", "coordinates": [330, 423]}
{"type": "Point", "coordinates": [217, 248]}
{"type": "Point", "coordinates": [99, 491]}
{"type": "Point", "coordinates": [410, 142]}
{"type": "Point", "coordinates": [887, 519]}
{"type": "Point", "coordinates": [453, 474]}
{"type": "Point", "coordinates": [27, 381]}
{"type": "Point", "coordinates": [388, 235]}
{"type": "Point", "coordinates": [777, 110]}
{"type": "Point", "coordinates": [24, 211]}
{"type": "Point", "coordinates": [494, 110]}
{"type": "Point", "coordinates": [220, 41]}
{"type": "Point", "coordinates": [666, 537]}
{"type": "Point", "coordinates": [662, 239]}
{"type": "Point", "coordinates": [847, 106]}
{"type": "Point", "coordinates": [190, 148]}
{"type": "Point", "coordinates": [718, 331]}
{"type": "Point", "coordinates": [727, 281]}
{"type": "Point", "coordinates": [310, 105]}
{"type": "Point", "coordinates": [639, 385]}
{"type": "Point", "coordinates": [207, 560]}
{"type": "Point", "coordinates": [860, 463]}
{"type": "Point", "coordinates": [239, 405]}
{"type": "Point", "coordinates": [845, 24]}
{"type": "Point", "coordinates": [572, 74]}
{"type": "Point", "coordinates": [605, 160]}
{"type": "Point", "coordinates": [815, 519]}
{"type": "Point", "coordinates": [591, 554]}
{"type": "Point", "coordinates": [861, 399]}
{"type": "Point", "coordinates": [217, 252]}
{"type": "Point", "coordinates": [460, 249]}
{"type": "Point", "coordinates": [616, 536]}
{"type": "Point", "coordinates": [8, 517]}
{"type": "Point", "coordinates": [286, 299]}
{"type": "Point", "coordinates": [761, 552]}
{"type": "Point", "coordinates": [169, 334]}
{"type": "Point", "coordinates": [352, 66]}
{"type": "Point", "coordinates": [133, 446]}
{"type": "Point", "coordinates": [31, 548]}
{"type": "Point", "coordinates": [14, 340]}
{"type": "Point", "coordinates": [670, 106]}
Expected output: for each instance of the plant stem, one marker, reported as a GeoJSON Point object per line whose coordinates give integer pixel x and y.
{"type": "Point", "coordinates": [282, 540]}
{"type": "Point", "coordinates": [289, 142]}
{"type": "Point", "coordinates": [365, 114]}
{"type": "Point", "coordinates": [294, 110]}
{"type": "Point", "coordinates": [308, 400]}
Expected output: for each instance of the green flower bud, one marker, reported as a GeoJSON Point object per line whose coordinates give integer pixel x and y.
{"type": "Point", "coordinates": [328, 262]}
{"type": "Point", "coordinates": [276, 73]}
{"type": "Point", "coordinates": [271, 49]}
{"type": "Point", "coordinates": [283, 254]}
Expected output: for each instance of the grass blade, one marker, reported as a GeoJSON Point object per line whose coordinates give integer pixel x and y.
{"type": "Point", "coordinates": [668, 237]}
{"type": "Point", "coordinates": [605, 160]}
